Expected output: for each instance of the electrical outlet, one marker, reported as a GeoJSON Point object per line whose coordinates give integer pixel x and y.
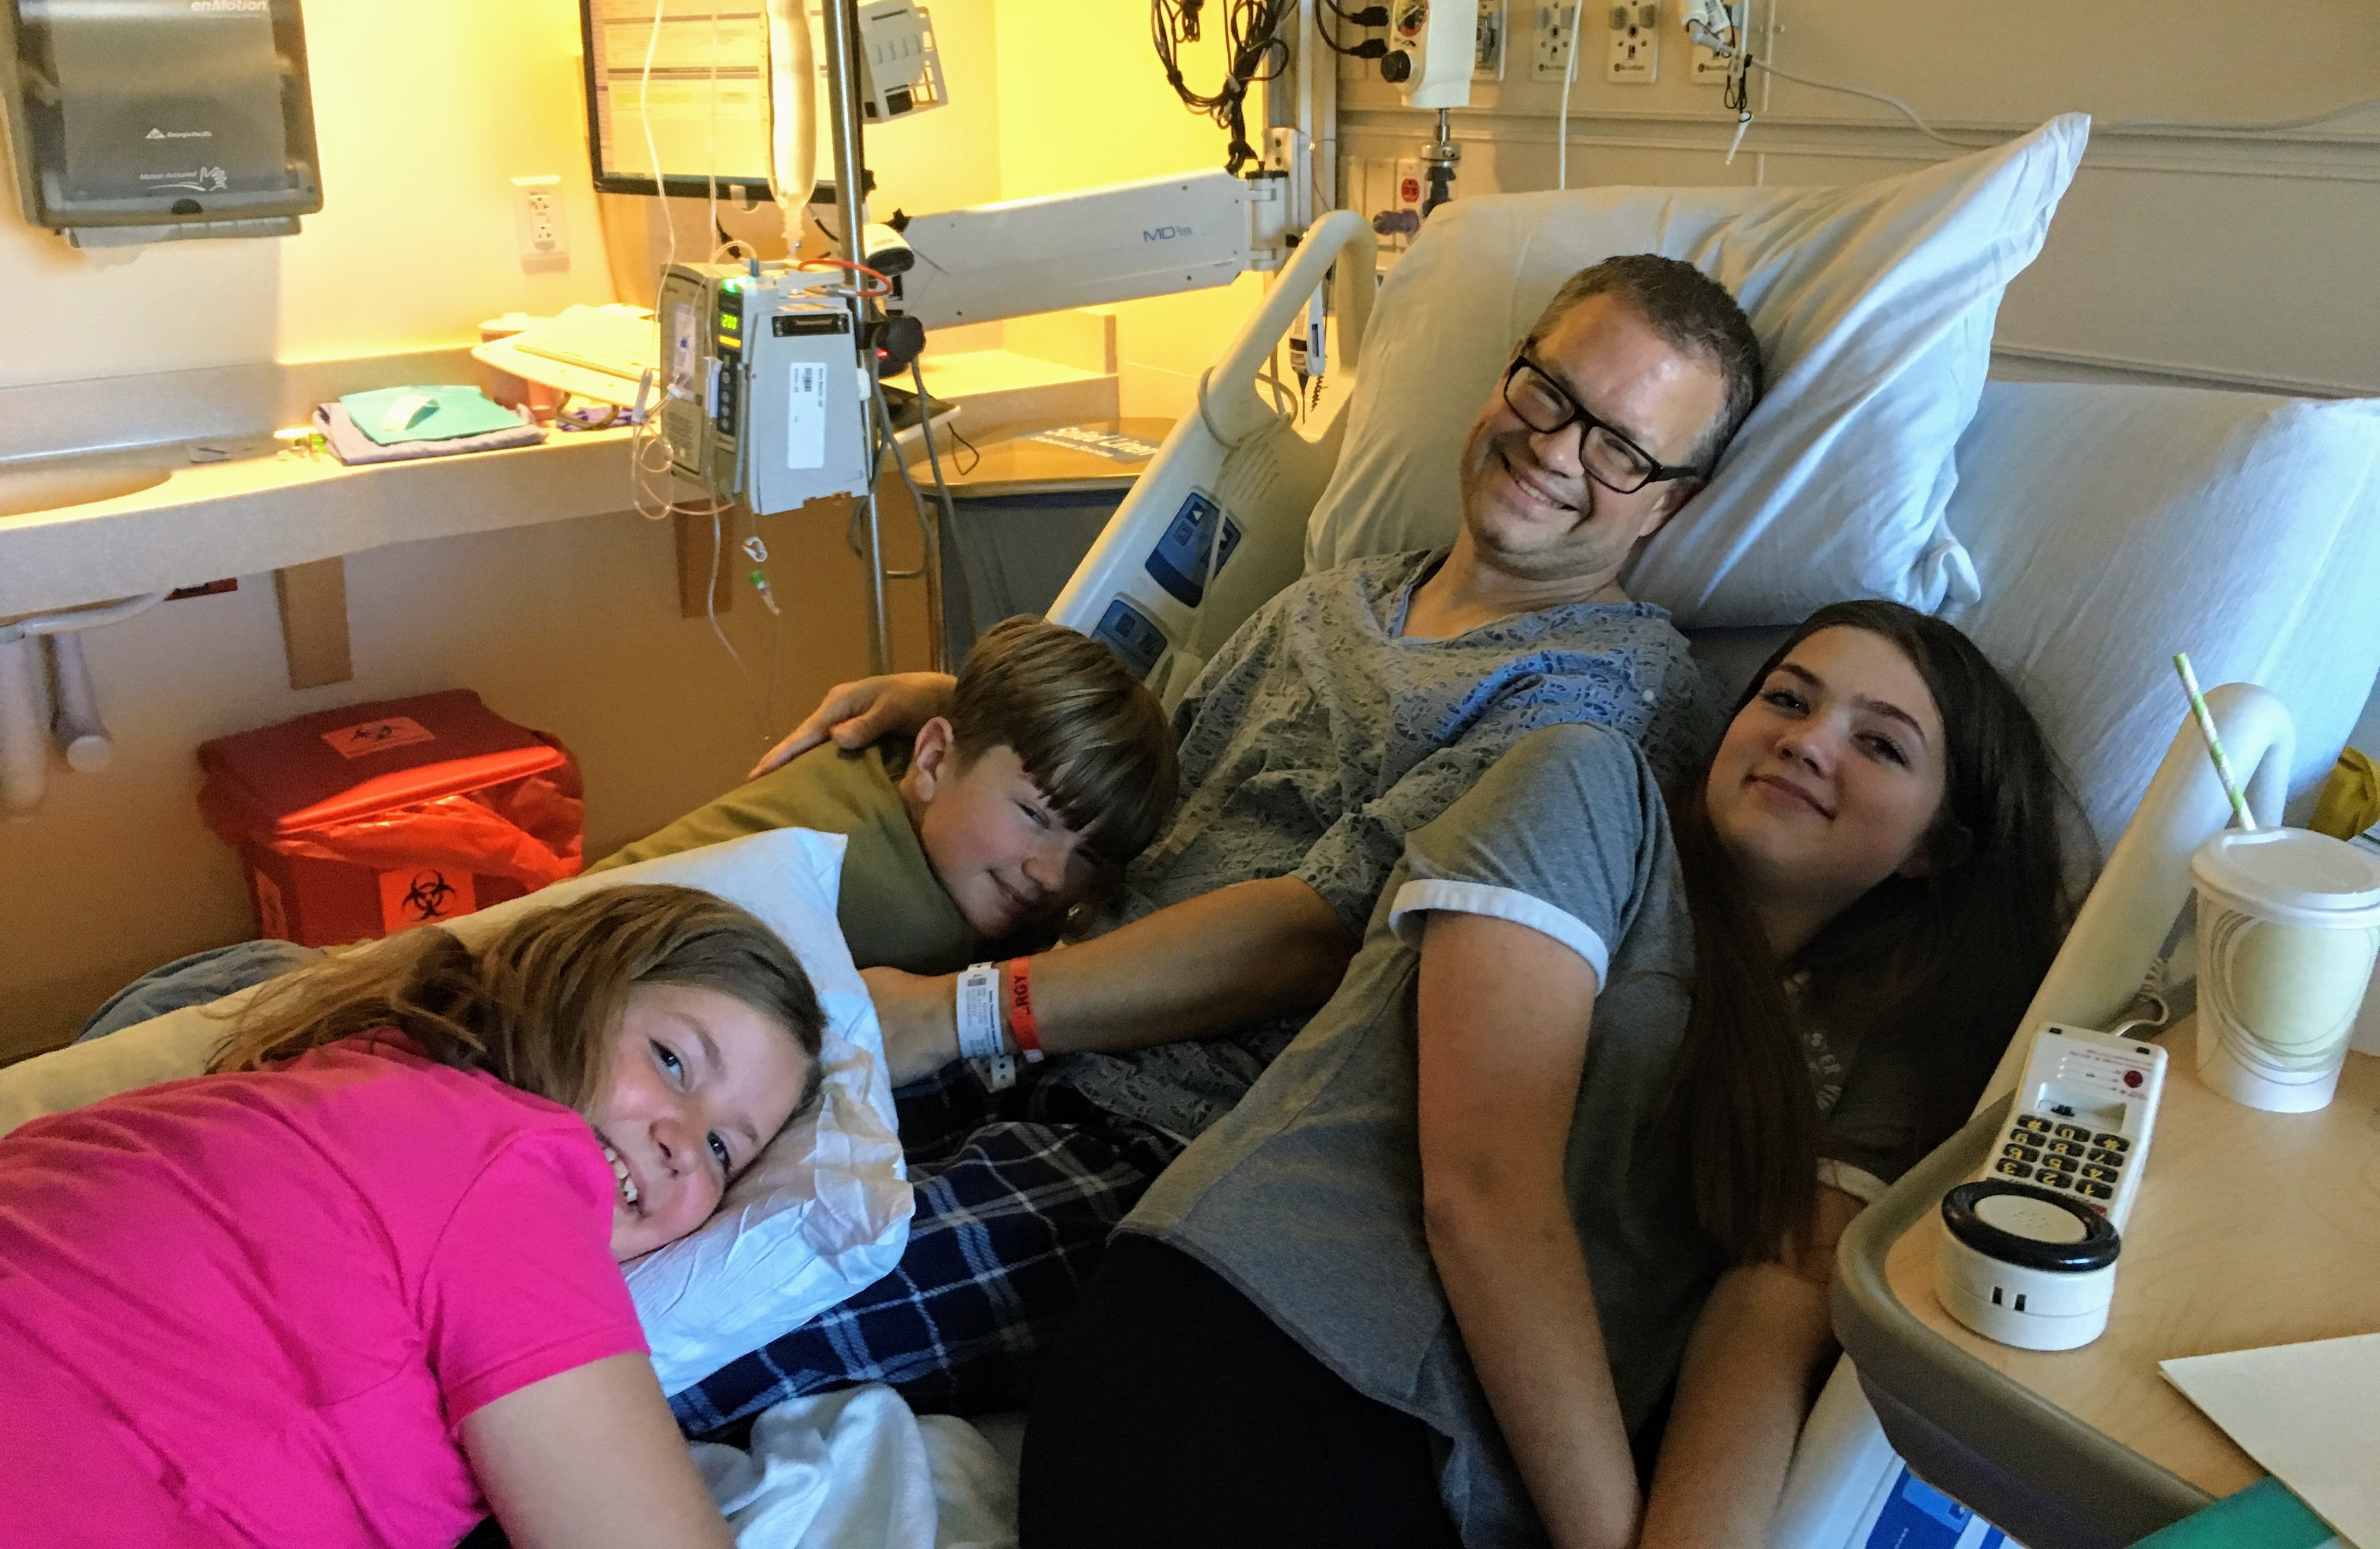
{"type": "Point", "coordinates": [1635, 58]}
{"type": "Point", "coordinates": [536, 210]}
{"type": "Point", "coordinates": [1552, 51]}
{"type": "Point", "coordinates": [1709, 67]}
{"type": "Point", "coordinates": [1488, 62]}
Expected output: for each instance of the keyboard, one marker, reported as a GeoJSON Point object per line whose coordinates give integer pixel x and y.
{"type": "Point", "coordinates": [592, 352]}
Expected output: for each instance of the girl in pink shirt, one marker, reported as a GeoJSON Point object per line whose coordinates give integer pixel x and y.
{"type": "Point", "coordinates": [360, 1285]}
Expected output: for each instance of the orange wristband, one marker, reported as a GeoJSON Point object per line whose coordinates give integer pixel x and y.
{"type": "Point", "coordinates": [1021, 1025]}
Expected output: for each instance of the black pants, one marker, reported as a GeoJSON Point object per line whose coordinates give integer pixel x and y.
{"type": "Point", "coordinates": [1172, 1413]}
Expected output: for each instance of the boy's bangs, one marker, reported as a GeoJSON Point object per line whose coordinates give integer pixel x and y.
{"type": "Point", "coordinates": [1115, 802]}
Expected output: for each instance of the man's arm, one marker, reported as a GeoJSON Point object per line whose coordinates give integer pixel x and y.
{"type": "Point", "coordinates": [1237, 954]}
{"type": "Point", "coordinates": [1752, 1365]}
{"type": "Point", "coordinates": [1505, 1013]}
{"type": "Point", "coordinates": [1208, 964]}
{"type": "Point", "coordinates": [857, 715]}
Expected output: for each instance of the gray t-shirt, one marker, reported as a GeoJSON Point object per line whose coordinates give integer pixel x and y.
{"type": "Point", "coordinates": [1307, 1196]}
{"type": "Point", "coordinates": [1320, 737]}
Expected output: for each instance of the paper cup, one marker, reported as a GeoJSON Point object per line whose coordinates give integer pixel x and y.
{"type": "Point", "coordinates": [2289, 926]}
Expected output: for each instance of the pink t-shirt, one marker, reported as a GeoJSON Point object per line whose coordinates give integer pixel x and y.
{"type": "Point", "coordinates": [255, 1307]}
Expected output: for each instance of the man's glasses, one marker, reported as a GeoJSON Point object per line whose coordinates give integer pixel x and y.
{"type": "Point", "coordinates": [1609, 458]}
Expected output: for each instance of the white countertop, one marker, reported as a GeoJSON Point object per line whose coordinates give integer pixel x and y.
{"type": "Point", "coordinates": [257, 510]}
{"type": "Point", "coordinates": [260, 510]}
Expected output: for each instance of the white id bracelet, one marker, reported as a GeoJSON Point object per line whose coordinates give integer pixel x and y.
{"type": "Point", "coordinates": [980, 1039]}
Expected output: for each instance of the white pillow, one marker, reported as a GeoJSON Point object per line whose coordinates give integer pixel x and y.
{"type": "Point", "coordinates": [822, 1213]}
{"type": "Point", "coordinates": [1874, 305]}
{"type": "Point", "coordinates": [2117, 525]}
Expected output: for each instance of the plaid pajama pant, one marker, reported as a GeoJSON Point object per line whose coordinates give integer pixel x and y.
{"type": "Point", "coordinates": [1017, 1194]}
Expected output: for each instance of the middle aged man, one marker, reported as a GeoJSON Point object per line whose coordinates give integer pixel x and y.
{"type": "Point", "coordinates": [1352, 709]}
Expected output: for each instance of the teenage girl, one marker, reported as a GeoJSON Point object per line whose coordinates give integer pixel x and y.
{"type": "Point", "coordinates": [360, 1285]}
{"type": "Point", "coordinates": [1571, 1146]}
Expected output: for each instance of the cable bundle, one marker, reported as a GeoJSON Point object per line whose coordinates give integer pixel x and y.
{"type": "Point", "coordinates": [1256, 52]}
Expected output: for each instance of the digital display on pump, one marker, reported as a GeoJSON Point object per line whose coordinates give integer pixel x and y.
{"type": "Point", "coordinates": [730, 317]}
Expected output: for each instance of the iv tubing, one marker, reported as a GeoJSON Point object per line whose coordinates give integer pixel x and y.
{"type": "Point", "coordinates": [793, 114]}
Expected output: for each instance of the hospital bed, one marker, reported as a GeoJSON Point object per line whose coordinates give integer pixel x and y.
{"type": "Point", "coordinates": [2107, 526]}
{"type": "Point", "coordinates": [2092, 531]}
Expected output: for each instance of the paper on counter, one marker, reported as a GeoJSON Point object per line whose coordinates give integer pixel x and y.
{"type": "Point", "coordinates": [2310, 1413]}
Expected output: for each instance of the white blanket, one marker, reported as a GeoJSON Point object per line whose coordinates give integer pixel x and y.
{"type": "Point", "coordinates": [855, 1470]}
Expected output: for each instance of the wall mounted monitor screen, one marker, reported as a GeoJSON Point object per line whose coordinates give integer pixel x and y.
{"type": "Point", "coordinates": [677, 99]}
{"type": "Point", "coordinates": [678, 95]}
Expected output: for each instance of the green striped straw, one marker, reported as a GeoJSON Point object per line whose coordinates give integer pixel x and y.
{"type": "Point", "coordinates": [2213, 743]}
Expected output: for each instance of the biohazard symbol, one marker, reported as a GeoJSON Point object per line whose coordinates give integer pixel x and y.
{"type": "Point", "coordinates": [428, 898]}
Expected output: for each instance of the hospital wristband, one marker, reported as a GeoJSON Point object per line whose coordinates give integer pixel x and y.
{"type": "Point", "coordinates": [1021, 1025]}
{"type": "Point", "coordinates": [977, 1015]}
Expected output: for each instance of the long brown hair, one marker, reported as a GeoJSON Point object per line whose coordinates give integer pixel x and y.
{"type": "Point", "coordinates": [1935, 968]}
{"type": "Point", "coordinates": [536, 1006]}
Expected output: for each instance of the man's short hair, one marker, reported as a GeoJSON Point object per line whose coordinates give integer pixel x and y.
{"type": "Point", "coordinates": [1088, 731]}
{"type": "Point", "coordinates": [1694, 314]}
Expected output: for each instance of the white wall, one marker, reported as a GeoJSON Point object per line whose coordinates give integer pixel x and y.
{"type": "Point", "coordinates": [1084, 103]}
{"type": "Point", "coordinates": [422, 126]}
{"type": "Point", "coordinates": [2193, 256]}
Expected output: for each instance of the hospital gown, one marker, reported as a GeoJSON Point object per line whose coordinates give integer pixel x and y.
{"type": "Point", "coordinates": [1313, 743]}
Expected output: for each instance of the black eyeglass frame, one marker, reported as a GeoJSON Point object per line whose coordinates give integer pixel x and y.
{"type": "Point", "coordinates": [1658, 472]}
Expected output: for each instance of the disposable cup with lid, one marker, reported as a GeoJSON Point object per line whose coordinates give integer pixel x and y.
{"type": "Point", "coordinates": [2289, 925]}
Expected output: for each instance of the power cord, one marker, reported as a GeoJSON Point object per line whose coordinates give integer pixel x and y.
{"type": "Point", "coordinates": [1256, 52]}
{"type": "Point", "coordinates": [1570, 73]}
{"type": "Point", "coordinates": [968, 447]}
{"type": "Point", "coordinates": [1370, 16]}
{"type": "Point", "coordinates": [942, 494]}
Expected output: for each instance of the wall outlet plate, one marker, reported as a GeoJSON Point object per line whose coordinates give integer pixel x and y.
{"type": "Point", "coordinates": [537, 211]}
{"type": "Point", "coordinates": [1489, 63]}
{"type": "Point", "coordinates": [1549, 43]}
{"type": "Point", "coordinates": [1709, 67]}
{"type": "Point", "coordinates": [1635, 47]}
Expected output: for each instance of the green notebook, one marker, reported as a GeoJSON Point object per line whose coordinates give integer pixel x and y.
{"type": "Point", "coordinates": [2263, 1516]}
{"type": "Point", "coordinates": [391, 415]}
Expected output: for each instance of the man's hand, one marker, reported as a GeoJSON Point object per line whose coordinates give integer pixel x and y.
{"type": "Point", "coordinates": [919, 1017]}
{"type": "Point", "coordinates": [854, 715]}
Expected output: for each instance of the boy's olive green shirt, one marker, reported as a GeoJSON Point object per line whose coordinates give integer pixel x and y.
{"type": "Point", "coordinates": [891, 908]}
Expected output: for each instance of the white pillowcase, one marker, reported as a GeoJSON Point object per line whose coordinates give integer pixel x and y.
{"type": "Point", "coordinates": [1874, 305]}
{"type": "Point", "coordinates": [822, 1213]}
{"type": "Point", "coordinates": [2117, 525]}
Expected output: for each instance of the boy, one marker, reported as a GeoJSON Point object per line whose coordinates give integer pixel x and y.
{"type": "Point", "coordinates": [1053, 768]}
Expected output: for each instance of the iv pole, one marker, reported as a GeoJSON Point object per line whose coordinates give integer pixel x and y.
{"type": "Point", "coordinates": [842, 19]}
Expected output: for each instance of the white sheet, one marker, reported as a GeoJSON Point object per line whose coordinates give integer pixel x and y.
{"type": "Point", "coordinates": [855, 1470]}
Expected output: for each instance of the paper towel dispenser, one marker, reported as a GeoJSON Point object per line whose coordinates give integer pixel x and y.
{"type": "Point", "coordinates": [144, 120]}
